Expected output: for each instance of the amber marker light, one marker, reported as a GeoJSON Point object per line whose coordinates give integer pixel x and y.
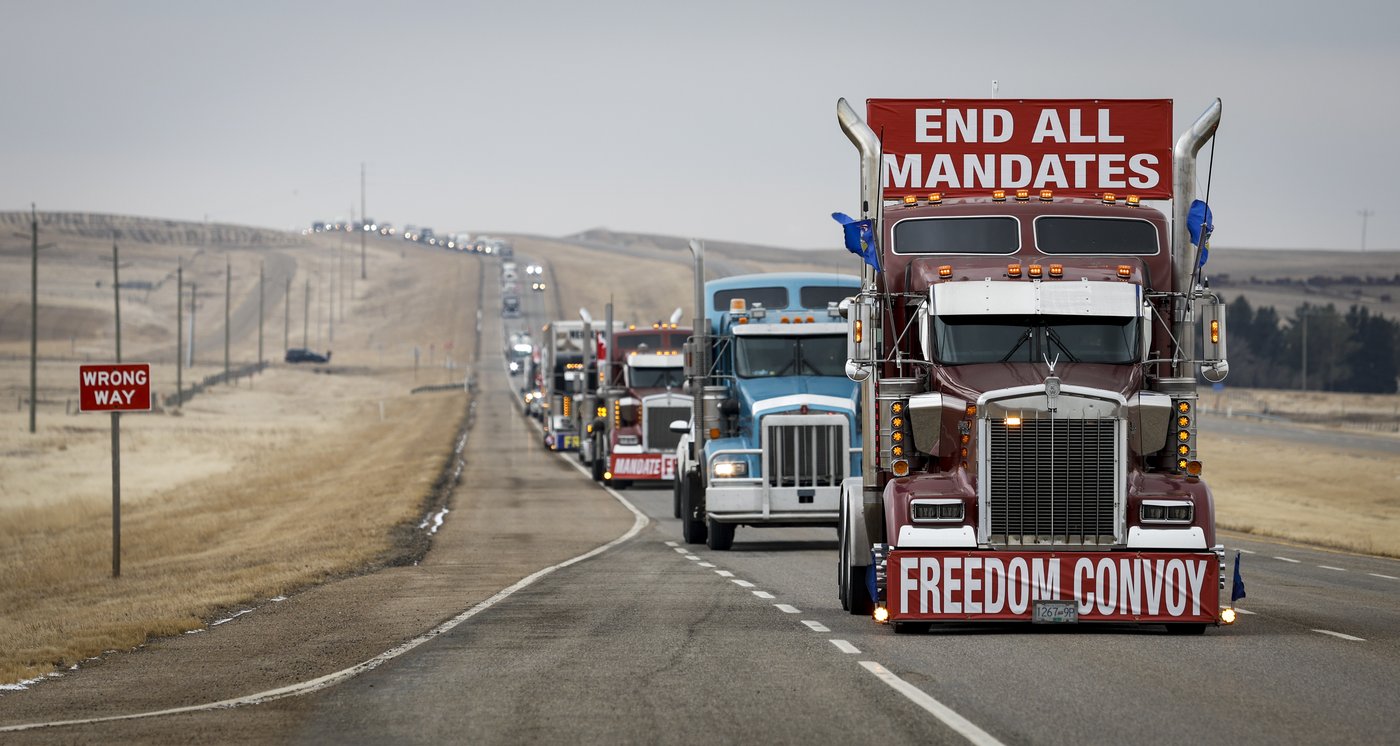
{"type": "Point", "coordinates": [1134, 201]}
{"type": "Point", "coordinates": [1183, 435]}
{"type": "Point", "coordinates": [1183, 406]}
{"type": "Point", "coordinates": [1193, 468]}
{"type": "Point", "coordinates": [971, 410]}
{"type": "Point", "coordinates": [1013, 270]}
{"type": "Point", "coordinates": [1109, 198]}
{"type": "Point", "coordinates": [1125, 270]}
{"type": "Point", "coordinates": [1023, 195]}
{"type": "Point", "coordinates": [1046, 195]}
{"type": "Point", "coordinates": [900, 468]}
{"type": "Point", "coordinates": [897, 407]}
{"type": "Point", "coordinates": [1215, 331]}
{"type": "Point", "coordinates": [859, 330]}
{"type": "Point", "coordinates": [945, 270]}
{"type": "Point", "coordinates": [911, 200]}
{"type": "Point", "coordinates": [934, 198]}
{"type": "Point", "coordinates": [1057, 270]}
{"type": "Point", "coordinates": [1034, 270]}
{"type": "Point", "coordinates": [998, 195]}
{"type": "Point", "coordinates": [1183, 421]}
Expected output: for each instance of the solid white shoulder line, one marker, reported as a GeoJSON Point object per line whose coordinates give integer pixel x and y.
{"type": "Point", "coordinates": [953, 720]}
{"type": "Point", "coordinates": [331, 679]}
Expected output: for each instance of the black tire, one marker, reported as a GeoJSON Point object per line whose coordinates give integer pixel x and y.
{"type": "Point", "coordinates": [693, 510]}
{"type": "Point", "coordinates": [676, 497]}
{"type": "Point", "coordinates": [1192, 628]}
{"type": "Point", "coordinates": [857, 601]}
{"type": "Point", "coordinates": [721, 536]}
{"type": "Point", "coordinates": [598, 469]}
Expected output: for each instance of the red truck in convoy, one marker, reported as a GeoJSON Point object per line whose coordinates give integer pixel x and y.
{"type": "Point", "coordinates": [1026, 341]}
{"type": "Point", "coordinates": [631, 440]}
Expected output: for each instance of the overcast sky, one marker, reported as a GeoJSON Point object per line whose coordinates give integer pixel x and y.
{"type": "Point", "coordinates": [709, 119]}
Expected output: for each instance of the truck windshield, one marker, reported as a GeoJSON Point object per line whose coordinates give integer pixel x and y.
{"type": "Point", "coordinates": [961, 340]}
{"type": "Point", "coordinates": [656, 378]}
{"type": "Point", "coordinates": [763, 357]}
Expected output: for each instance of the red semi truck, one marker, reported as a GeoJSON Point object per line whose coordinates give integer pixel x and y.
{"type": "Point", "coordinates": [1025, 338]}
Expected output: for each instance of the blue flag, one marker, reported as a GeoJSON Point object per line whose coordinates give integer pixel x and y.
{"type": "Point", "coordinates": [870, 581]}
{"type": "Point", "coordinates": [1237, 592]}
{"type": "Point", "coordinates": [1201, 223]}
{"type": "Point", "coordinates": [860, 238]}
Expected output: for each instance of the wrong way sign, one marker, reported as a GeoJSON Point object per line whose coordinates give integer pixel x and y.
{"type": "Point", "coordinates": [114, 388]}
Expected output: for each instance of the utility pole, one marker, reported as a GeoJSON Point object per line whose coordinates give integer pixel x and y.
{"type": "Point", "coordinates": [287, 316]}
{"type": "Point", "coordinates": [194, 291]}
{"type": "Point", "coordinates": [260, 313]}
{"type": "Point", "coordinates": [1304, 313]}
{"type": "Point", "coordinates": [228, 290]}
{"type": "Point", "coordinates": [117, 298]}
{"type": "Point", "coordinates": [179, 331]}
{"type": "Point", "coordinates": [330, 305]}
{"type": "Point", "coordinates": [33, 316]}
{"type": "Point", "coordinates": [362, 217]}
{"type": "Point", "coordinates": [305, 311]}
{"type": "Point", "coordinates": [1365, 215]}
{"type": "Point", "coordinates": [340, 274]}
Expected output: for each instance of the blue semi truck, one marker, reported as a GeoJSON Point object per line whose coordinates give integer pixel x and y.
{"type": "Point", "coordinates": [774, 430]}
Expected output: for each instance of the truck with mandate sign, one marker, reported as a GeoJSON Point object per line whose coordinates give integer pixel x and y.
{"type": "Point", "coordinates": [642, 394]}
{"type": "Point", "coordinates": [773, 430]}
{"type": "Point", "coordinates": [1025, 339]}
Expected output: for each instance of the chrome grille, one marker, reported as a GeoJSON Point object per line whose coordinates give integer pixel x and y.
{"type": "Point", "coordinates": [1052, 481]}
{"type": "Point", "coordinates": [658, 427]}
{"type": "Point", "coordinates": [805, 451]}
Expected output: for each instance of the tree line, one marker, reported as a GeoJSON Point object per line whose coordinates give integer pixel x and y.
{"type": "Point", "coordinates": [1319, 348]}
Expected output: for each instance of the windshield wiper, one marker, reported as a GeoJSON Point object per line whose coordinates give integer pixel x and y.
{"type": "Point", "coordinates": [1029, 332]}
{"type": "Point", "coordinates": [1055, 337]}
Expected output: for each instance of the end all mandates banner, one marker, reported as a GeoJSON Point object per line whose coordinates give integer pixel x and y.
{"type": "Point", "coordinates": [1074, 147]}
{"type": "Point", "coordinates": [1004, 585]}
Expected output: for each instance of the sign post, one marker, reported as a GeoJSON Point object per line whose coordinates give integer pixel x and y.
{"type": "Point", "coordinates": [116, 389]}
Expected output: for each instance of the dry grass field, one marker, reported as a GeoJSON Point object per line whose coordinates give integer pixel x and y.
{"type": "Point", "coordinates": [247, 491]}
{"type": "Point", "coordinates": [281, 480]}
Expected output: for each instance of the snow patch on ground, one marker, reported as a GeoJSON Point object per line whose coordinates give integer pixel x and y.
{"type": "Point", "coordinates": [231, 617]}
{"type": "Point", "coordinates": [435, 519]}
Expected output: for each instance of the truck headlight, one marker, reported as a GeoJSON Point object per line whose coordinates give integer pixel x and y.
{"type": "Point", "coordinates": [730, 469]}
{"type": "Point", "coordinates": [1166, 511]}
{"type": "Point", "coordinates": [940, 511]}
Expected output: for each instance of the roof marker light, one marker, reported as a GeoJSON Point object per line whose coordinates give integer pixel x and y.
{"type": "Point", "coordinates": [736, 304]}
{"type": "Point", "coordinates": [1046, 195]}
{"type": "Point", "coordinates": [1023, 195]}
{"type": "Point", "coordinates": [945, 270]}
{"type": "Point", "coordinates": [1134, 201]}
{"type": "Point", "coordinates": [1110, 198]}
{"type": "Point", "coordinates": [1056, 270]}
{"type": "Point", "coordinates": [911, 200]}
{"type": "Point", "coordinates": [1013, 270]}
{"type": "Point", "coordinates": [1034, 270]}
{"type": "Point", "coordinates": [998, 195]}
{"type": "Point", "coordinates": [934, 198]}
{"type": "Point", "coordinates": [1125, 270]}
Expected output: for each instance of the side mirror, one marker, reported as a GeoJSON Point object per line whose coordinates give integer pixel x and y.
{"type": "Point", "coordinates": [856, 372]}
{"type": "Point", "coordinates": [860, 346]}
{"type": "Point", "coordinates": [1214, 366]}
{"type": "Point", "coordinates": [680, 427]}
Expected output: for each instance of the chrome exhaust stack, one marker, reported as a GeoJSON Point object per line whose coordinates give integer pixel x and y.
{"type": "Point", "coordinates": [1184, 259]}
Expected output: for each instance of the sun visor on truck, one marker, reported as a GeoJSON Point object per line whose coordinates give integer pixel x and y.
{"type": "Point", "coordinates": [1082, 298]}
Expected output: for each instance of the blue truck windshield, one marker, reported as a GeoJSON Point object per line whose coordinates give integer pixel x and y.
{"type": "Point", "coordinates": [764, 357]}
{"type": "Point", "coordinates": [962, 340]}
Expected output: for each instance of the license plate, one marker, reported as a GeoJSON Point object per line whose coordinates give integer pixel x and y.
{"type": "Point", "coordinates": [1055, 612]}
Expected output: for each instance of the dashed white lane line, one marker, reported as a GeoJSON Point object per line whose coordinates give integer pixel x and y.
{"type": "Point", "coordinates": [741, 583]}
{"type": "Point", "coordinates": [1329, 567]}
{"type": "Point", "coordinates": [763, 594]}
{"type": "Point", "coordinates": [692, 558]}
{"type": "Point", "coordinates": [845, 647]}
{"type": "Point", "coordinates": [671, 544]}
{"type": "Point", "coordinates": [788, 608]}
{"type": "Point", "coordinates": [707, 564]}
{"type": "Point", "coordinates": [1339, 635]}
{"type": "Point", "coordinates": [1285, 559]}
{"type": "Point", "coordinates": [1246, 612]}
{"type": "Point", "coordinates": [816, 626]}
{"type": "Point", "coordinates": [724, 573]}
{"type": "Point", "coordinates": [1245, 551]}
{"type": "Point", "coordinates": [682, 550]}
{"type": "Point", "coordinates": [1378, 575]}
{"type": "Point", "coordinates": [962, 725]}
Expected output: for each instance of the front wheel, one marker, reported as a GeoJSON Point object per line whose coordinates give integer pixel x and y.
{"type": "Point", "coordinates": [721, 536]}
{"type": "Point", "coordinates": [676, 497]}
{"type": "Point", "coordinates": [693, 510]}
{"type": "Point", "coordinates": [598, 469]}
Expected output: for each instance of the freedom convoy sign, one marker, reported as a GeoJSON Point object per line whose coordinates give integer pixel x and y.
{"type": "Point", "coordinates": [114, 388]}
{"type": "Point", "coordinates": [644, 466]}
{"type": "Point", "coordinates": [1072, 586]}
{"type": "Point", "coordinates": [1074, 147]}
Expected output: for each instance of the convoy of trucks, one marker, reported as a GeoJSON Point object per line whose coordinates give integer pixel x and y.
{"type": "Point", "coordinates": [998, 415]}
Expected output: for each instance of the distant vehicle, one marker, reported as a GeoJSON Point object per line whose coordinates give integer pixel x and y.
{"type": "Point", "coordinates": [510, 306]}
{"type": "Point", "coordinates": [303, 355]}
{"type": "Point", "coordinates": [538, 287]}
{"type": "Point", "coordinates": [426, 235]}
{"type": "Point", "coordinates": [534, 269]}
